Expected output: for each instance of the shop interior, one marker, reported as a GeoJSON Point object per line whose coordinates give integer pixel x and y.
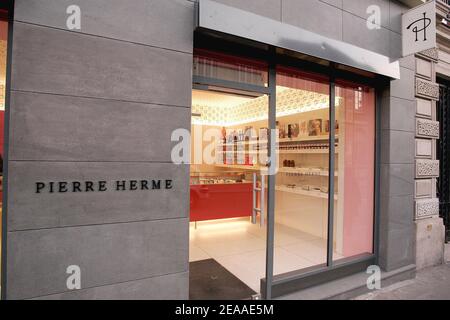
{"type": "Point", "coordinates": [229, 195]}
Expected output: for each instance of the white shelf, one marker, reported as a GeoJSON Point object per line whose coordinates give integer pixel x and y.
{"type": "Point", "coordinates": [300, 191]}
{"type": "Point", "coordinates": [240, 167]}
{"type": "Point", "coordinates": [305, 151]}
{"type": "Point", "coordinates": [297, 190]}
{"type": "Point", "coordinates": [312, 138]}
{"type": "Point", "coordinates": [240, 151]}
{"type": "Point", "coordinates": [283, 140]}
{"type": "Point", "coordinates": [232, 144]}
{"type": "Point", "coordinates": [322, 173]}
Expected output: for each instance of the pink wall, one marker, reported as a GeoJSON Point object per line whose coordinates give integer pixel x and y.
{"type": "Point", "coordinates": [2, 129]}
{"type": "Point", "coordinates": [359, 171]}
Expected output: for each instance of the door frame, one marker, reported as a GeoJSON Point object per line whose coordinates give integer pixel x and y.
{"type": "Point", "coordinates": [443, 113]}
{"type": "Point", "coordinates": [9, 7]}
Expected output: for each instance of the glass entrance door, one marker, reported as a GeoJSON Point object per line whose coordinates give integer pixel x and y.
{"type": "Point", "coordinates": [228, 207]}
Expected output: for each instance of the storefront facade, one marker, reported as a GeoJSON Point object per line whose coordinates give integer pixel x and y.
{"type": "Point", "coordinates": [90, 180]}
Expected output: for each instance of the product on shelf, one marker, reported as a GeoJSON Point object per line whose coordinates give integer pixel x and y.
{"type": "Point", "coordinates": [315, 127]}
{"type": "Point", "coordinates": [327, 126]}
{"type": "Point", "coordinates": [289, 163]}
{"type": "Point", "coordinates": [293, 130]}
{"type": "Point", "coordinates": [303, 129]}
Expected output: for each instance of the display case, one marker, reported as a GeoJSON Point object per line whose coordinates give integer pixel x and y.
{"type": "Point", "coordinates": [220, 195]}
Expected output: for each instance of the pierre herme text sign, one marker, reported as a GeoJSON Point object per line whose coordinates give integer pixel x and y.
{"type": "Point", "coordinates": [419, 29]}
{"type": "Point", "coordinates": [102, 186]}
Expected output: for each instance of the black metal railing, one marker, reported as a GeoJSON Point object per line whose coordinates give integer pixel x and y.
{"type": "Point", "coordinates": [443, 154]}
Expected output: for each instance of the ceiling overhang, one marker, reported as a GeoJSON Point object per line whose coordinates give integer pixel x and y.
{"type": "Point", "coordinates": [412, 3]}
{"type": "Point", "coordinates": [228, 20]}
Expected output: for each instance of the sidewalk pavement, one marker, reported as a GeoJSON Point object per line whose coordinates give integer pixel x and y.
{"type": "Point", "coordinates": [430, 284]}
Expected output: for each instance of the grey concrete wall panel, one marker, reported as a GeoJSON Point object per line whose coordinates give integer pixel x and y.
{"type": "Point", "coordinates": [397, 240]}
{"type": "Point", "coordinates": [398, 178]}
{"type": "Point", "coordinates": [408, 62]}
{"type": "Point", "coordinates": [168, 287]}
{"type": "Point", "coordinates": [99, 104]}
{"type": "Point", "coordinates": [307, 13]}
{"type": "Point", "coordinates": [355, 31]}
{"type": "Point", "coordinates": [47, 210]}
{"type": "Point", "coordinates": [396, 9]}
{"type": "Point", "coordinates": [81, 65]}
{"type": "Point", "coordinates": [52, 127]}
{"type": "Point", "coordinates": [335, 3]}
{"type": "Point", "coordinates": [267, 8]}
{"type": "Point", "coordinates": [360, 7]}
{"type": "Point", "coordinates": [401, 247]}
{"type": "Point", "coordinates": [397, 243]}
{"type": "Point", "coordinates": [215, 16]}
{"type": "Point", "coordinates": [403, 206]}
{"type": "Point", "coordinates": [106, 254]}
{"type": "Point", "coordinates": [397, 147]}
{"type": "Point", "coordinates": [398, 114]}
{"type": "Point", "coordinates": [160, 23]}
{"type": "Point", "coordinates": [404, 87]}
{"type": "Point", "coordinates": [395, 40]}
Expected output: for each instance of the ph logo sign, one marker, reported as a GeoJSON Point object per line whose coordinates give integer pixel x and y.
{"type": "Point", "coordinates": [419, 29]}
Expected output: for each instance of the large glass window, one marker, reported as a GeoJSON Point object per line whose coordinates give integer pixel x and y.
{"type": "Point", "coordinates": [320, 195]}
{"type": "Point", "coordinates": [301, 196]}
{"type": "Point", "coordinates": [355, 168]}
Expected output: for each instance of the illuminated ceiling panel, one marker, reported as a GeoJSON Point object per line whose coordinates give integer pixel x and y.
{"type": "Point", "coordinates": [217, 109]}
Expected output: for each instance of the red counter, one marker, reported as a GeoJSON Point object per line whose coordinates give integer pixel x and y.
{"type": "Point", "coordinates": [221, 201]}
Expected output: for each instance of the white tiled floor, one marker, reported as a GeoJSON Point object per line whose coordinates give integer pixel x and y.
{"type": "Point", "coordinates": [239, 246]}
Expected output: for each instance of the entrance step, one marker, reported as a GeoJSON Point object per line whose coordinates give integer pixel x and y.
{"type": "Point", "coordinates": [351, 286]}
